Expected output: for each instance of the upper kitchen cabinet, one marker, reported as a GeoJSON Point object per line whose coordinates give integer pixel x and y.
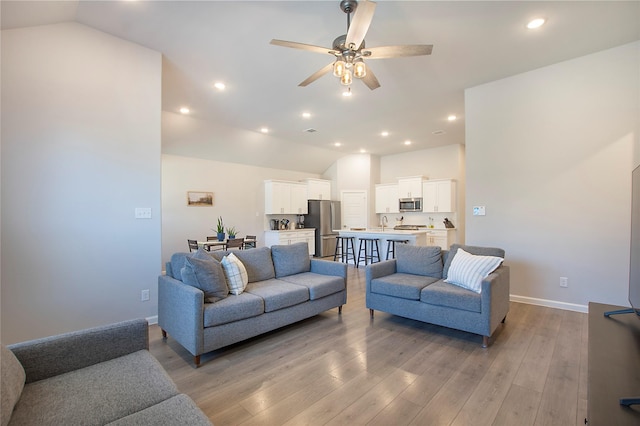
{"type": "Point", "coordinates": [410, 187]}
{"type": "Point", "coordinates": [282, 197]}
{"type": "Point", "coordinates": [318, 189]}
{"type": "Point", "coordinates": [387, 198]}
{"type": "Point", "coordinates": [439, 196]}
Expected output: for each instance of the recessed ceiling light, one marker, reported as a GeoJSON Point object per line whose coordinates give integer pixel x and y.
{"type": "Point", "coordinates": [536, 23]}
{"type": "Point", "coordinates": [384, 133]}
{"type": "Point", "coordinates": [407, 142]}
{"type": "Point", "coordinates": [452, 117]}
{"type": "Point", "coordinates": [337, 144]}
{"type": "Point", "coordinates": [347, 93]}
{"type": "Point", "coordinates": [184, 110]}
{"type": "Point", "coordinates": [362, 151]}
{"type": "Point", "coordinates": [219, 86]}
{"type": "Point", "coordinates": [306, 115]}
{"type": "Point", "coordinates": [264, 130]}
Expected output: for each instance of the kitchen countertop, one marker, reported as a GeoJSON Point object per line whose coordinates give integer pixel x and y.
{"type": "Point", "coordinates": [391, 231]}
{"type": "Point", "coordinates": [290, 230]}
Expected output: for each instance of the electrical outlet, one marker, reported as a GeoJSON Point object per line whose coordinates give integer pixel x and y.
{"type": "Point", "coordinates": [564, 282]}
{"type": "Point", "coordinates": [144, 295]}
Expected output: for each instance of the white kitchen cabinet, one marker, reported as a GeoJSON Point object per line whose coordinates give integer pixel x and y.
{"type": "Point", "coordinates": [410, 187]}
{"type": "Point", "coordinates": [282, 197]}
{"type": "Point", "coordinates": [387, 198]}
{"type": "Point", "coordinates": [439, 196]}
{"type": "Point", "coordinates": [442, 238]}
{"type": "Point", "coordinates": [291, 237]}
{"type": "Point", "coordinates": [318, 189]}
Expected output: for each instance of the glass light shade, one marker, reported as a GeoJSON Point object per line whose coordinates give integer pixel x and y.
{"type": "Point", "coordinates": [359, 69]}
{"type": "Point", "coordinates": [346, 78]}
{"type": "Point", "coordinates": [339, 68]}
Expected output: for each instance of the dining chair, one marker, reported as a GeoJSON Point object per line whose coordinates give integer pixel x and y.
{"type": "Point", "coordinates": [250, 241]}
{"type": "Point", "coordinates": [235, 243]}
{"type": "Point", "coordinates": [193, 245]}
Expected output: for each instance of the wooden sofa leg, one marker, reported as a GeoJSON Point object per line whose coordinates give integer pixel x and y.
{"type": "Point", "coordinates": [340, 310]}
{"type": "Point", "coordinates": [485, 341]}
{"type": "Point", "coordinates": [371, 313]}
{"type": "Point", "coordinates": [164, 335]}
{"type": "Point", "coordinates": [196, 360]}
{"type": "Point", "coordinates": [504, 319]}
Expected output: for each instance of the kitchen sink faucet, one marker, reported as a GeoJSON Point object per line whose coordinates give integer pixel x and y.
{"type": "Point", "coordinates": [384, 220]}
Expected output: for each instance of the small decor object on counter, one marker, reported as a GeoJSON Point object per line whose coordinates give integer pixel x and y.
{"type": "Point", "coordinates": [284, 224]}
{"type": "Point", "coordinates": [447, 223]}
{"type": "Point", "coordinates": [220, 229]}
{"type": "Point", "coordinates": [232, 232]}
{"type": "Point", "coordinates": [431, 222]}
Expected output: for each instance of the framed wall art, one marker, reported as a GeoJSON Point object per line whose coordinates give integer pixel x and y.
{"type": "Point", "coordinates": [200, 198]}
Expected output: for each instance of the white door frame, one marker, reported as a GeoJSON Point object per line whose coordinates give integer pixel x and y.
{"type": "Point", "coordinates": [365, 206]}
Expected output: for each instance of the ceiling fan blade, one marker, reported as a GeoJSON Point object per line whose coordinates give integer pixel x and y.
{"type": "Point", "coordinates": [360, 24]}
{"type": "Point", "coordinates": [370, 80]}
{"type": "Point", "coordinates": [382, 52]}
{"type": "Point", "coordinates": [302, 46]}
{"type": "Point", "coordinates": [317, 75]}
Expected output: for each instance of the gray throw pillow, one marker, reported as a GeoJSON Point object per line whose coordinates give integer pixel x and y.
{"type": "Point", "coordinates": [475, 250]}
{"type": "Point", "coordinates": [419, 260]}
{"type": "Point", "coordinates": [258, 263]}
{"type": "Point", "coordinates": [207, 275]}
{"type": "Point", "coordinates": [12, 383]}
{"type": "Point", "coordinates": [290, 259]}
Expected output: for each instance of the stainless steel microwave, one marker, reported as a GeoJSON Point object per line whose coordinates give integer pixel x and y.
{"type": "Point", "coordinates": [410, 204]}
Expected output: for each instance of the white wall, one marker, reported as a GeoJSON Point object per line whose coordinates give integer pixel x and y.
{"type": "Point", "coordinates": [238, 197]}
{"type": "Point", "coordinates": [550, 154]}
{"type": "Point", "coordinates": [80, 151]}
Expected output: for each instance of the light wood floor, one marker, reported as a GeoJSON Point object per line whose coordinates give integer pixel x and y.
{"type": "Point", "coordinates": [346, 369]}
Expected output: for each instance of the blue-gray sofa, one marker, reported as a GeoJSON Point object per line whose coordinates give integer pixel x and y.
{"type": "Point", "coordinates": [413, 286]}
{"type": "Point", "coordinates": [98, 376]}
{"type": "Point", "coordinates": [284, 286]}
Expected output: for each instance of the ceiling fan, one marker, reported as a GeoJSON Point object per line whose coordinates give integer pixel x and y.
{"type": "Point", "coordinates": [349, 49]}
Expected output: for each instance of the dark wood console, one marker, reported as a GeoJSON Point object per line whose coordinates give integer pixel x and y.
{"type": "Point", "coordinates": [614, 366]}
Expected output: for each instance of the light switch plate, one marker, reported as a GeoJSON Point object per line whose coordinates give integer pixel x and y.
{"type": "Point", "coordinates": [478, 211]}
{"type": "Point", "coordinates": [143, 212]}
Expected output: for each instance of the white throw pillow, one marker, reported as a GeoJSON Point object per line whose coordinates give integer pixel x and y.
{"type": "Point", "coordinates": [468, 270]}
{"type": "Point", "coordinates": [237, 277]}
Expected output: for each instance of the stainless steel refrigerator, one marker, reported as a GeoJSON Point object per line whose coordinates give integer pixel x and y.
{"type": "Point", "coordinates": [324, 215]}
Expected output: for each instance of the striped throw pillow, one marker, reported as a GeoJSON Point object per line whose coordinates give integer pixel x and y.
{"type": "Point", "coordinates": [237, 277]}
{"type": "Point", "coordinates": [468, 270]}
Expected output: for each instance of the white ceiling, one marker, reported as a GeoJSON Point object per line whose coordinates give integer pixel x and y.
{"type": "Point", "coordinates": [475, 42]}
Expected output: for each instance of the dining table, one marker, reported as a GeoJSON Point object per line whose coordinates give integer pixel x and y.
{"type": "Point", "coordinates": [222, 245]}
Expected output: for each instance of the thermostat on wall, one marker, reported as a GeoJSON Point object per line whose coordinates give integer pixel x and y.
{"type": "Point", "coordinates": [478, 211]}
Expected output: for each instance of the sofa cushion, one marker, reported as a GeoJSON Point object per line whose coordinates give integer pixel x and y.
{"type": "Point", "coordinates": [207, 275]}
{"type": "Point", "coordinates": [468, 270]}
{"type": "Point", "coordinates": [11, 382]}
{"type": "Point", "coordinates": [441, 293]}
{"type": "Point", "coordinates": [290, 259]}
{"type": "Point", "coordinates": [278, 294]}
{"type": "Point", "coordinates": [258, 263]}
{"type": "Point", "coordinates": [97, 394]}
{"type": "Point", "coordinates": [319, 285]}
{"type": "Point", "coordinates": [236, 273]}
{"type": "Point", "coordinates": [179, 410]}
{"type": "Point", "coordinates": [419, 260]}
{"type": "Point", "coordinates": [233, 308]}
{"type": "Point", "coordinates": [404, 286]}
{"type": "Point", "coordinates": [477, 250]}
{"type": "Point", "coordinates": [177, 263]}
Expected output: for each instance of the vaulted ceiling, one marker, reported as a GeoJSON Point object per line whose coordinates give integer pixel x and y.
{"type": "Point", "coordinates": [204, 42]}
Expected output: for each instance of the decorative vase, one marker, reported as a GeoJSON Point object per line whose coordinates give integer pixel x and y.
{"type": "Point", "coordinates": [220, 236]}
{"type": "Point", "coordinates": [232, 237]}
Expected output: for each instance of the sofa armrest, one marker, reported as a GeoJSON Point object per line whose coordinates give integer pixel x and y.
{"type": "Point", "coordinates": [379, 269]}
{"type": "Point", "coordinates": [181, 313]}
{"type": "Point", "coordinates": [327, 267]}
{"type": "Point", "coordinates": [51, 356]}
{"type": "Point", "coordinates": [495, 296]}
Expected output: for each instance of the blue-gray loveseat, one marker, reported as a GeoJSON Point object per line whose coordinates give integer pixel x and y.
{"type": "Point", "coordinates": [413, 286]}
{"type": "Point", "coordinates": [98, 376]}
{"type": "Point", "coordinates": [284, 286]}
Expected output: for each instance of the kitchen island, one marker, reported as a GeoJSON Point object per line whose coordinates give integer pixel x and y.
{"type": "Point", "coordinates": [414, 237]}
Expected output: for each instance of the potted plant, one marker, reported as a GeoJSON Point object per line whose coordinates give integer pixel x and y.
{"type": "Point", "coordinates": [232, 232]}
{"type": "Point", "coordinates": [220, 229]}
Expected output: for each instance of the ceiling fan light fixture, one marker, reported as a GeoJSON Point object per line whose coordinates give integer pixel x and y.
{"type": "Point", "coordinates": [346, 78]}
{"type": "Point", "coordinates": [339, 67]}
{"type": "Point", "coordinates": [359, 69]}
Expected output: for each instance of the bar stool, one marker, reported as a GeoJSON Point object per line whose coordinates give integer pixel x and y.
{"type": "Point", "coordinates": [391, 247]}
{"type": "Point", "coordinates": [371, 250]}
{"type": "Point", "coordinates": [342, 246]}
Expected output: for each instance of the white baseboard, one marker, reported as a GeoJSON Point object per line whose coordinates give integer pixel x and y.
{"type": "Point", "coordinates": [152, 320]}
{"type": "Point", "coordinates": [549, 303]}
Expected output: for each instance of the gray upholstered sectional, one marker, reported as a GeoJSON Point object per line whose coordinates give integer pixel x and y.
{"type": "Point", "coordinates": [284, 286]}
{"type": "Point", "coordinates": [102, 375]}
{"type": "Point", "coordinates": [413, 286]}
